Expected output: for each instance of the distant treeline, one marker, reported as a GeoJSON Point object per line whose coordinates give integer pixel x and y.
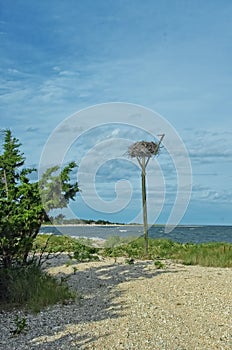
{"type": "Point", "coordinates": [61, 220]}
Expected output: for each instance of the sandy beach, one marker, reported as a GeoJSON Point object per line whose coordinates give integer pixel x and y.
{"type": "Point", "coordinates": [135, 307]}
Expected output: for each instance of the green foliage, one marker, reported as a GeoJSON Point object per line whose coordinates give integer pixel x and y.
{"type": "Point", "coordinates": [23, 204]}
{"type": "Point", "coordinates": [54, 244]}
{"type": "Point", "coordinates": [20, 325]}
{"type": "Point", "coordinates": [31, 288]}
{"type": "Point", "coordinates": [206, 254]}
{"type": "Point", "coordinates": [86, 253]}
{"type": "Point", "coordinates": [114, 241]}
{"type": "Point", "coordinates": [55, 188]}
{"type": "Point", "coordinates": [84, 241]}
{"type": "Point", "coordinates": [159, 264]}
{"type": "Point", "coordinates": [23, 208]}
{"type": "Point", "coordinates": [57, 244]}
{"type": "Point", "coordinates": [163, 248]}
{"type": "Point", "coordinates": [116, 247]}
{"type": "Point", "coordinates": [20, 207]}
{"type": "Point", "coordinates": [74, 269]}
{"type": "Point", "coordinates": [129, 261]}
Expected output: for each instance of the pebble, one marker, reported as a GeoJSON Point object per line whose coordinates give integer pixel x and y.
{"type": "Point", "coordinates": [131, 307]}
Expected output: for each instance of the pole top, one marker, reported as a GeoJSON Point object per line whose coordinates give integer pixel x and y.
{"type": "Point", "coordinates": [143, 149]}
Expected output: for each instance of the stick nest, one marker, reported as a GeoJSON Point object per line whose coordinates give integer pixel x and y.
{"type": "Point", "coordinates": [143, 149]}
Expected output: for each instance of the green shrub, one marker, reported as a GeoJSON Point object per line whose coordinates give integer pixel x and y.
{"type": "Point", "coordinates": [83, 253]}
{"type": "Point", "coordinates": [159, 264]}
{"type": "Point", "coordinates": [55, 244]}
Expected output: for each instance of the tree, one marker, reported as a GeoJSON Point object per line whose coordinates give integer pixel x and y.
{"type": "Point", "coordinates": [24, 204]}
{"type": "Point", "coordinates": [56, 189]}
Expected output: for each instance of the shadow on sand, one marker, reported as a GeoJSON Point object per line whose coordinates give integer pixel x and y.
{"type": "Point", "coordinates": [97, 283]}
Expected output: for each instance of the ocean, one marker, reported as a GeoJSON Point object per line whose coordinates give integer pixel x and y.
{"type": "Point", "coordinates": [181, 234]}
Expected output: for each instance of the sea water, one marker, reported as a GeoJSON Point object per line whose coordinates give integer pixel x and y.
{"type": "Point", "coordinates": [182, 234]}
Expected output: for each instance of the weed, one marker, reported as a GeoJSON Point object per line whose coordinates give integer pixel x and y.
{"type": "Point", "coordinates": [74, 269]}
{"type": "Point", "coordinates": [159, 264]}
{"type": "Point", "coordinates": [20, 325]}
{"type": "Point", "coordinates": [129, 261]}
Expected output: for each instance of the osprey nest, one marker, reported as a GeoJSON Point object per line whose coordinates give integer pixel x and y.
{"type": "Point", "coordinates": [143, 149]}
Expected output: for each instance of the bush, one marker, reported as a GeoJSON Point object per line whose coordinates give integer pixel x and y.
{"type": "Point", "coordinates": [81, 249]}
{"type": "Point", "coordinates": [85, 253]}
{"type": "Point", "coordinates": [55, 244]}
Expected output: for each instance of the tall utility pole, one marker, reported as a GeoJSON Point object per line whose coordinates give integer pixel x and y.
{"type": "Point", "coordinates": [143, 151]}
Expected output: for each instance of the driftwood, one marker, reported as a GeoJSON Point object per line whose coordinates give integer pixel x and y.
{"type": "Point", "coordinates": [143, 149]}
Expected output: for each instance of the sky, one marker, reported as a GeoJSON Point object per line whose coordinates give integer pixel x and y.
{"type": "Point", "coordinates": [172, 57]}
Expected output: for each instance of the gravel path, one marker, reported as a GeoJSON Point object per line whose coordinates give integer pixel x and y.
{"type": "Point", "coordinates": [129, 307]}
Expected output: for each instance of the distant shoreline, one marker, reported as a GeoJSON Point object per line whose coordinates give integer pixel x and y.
{"type": "Point", "coordinates": [131, 225]}
{"type": "Point", "coordinates": [89, 225]}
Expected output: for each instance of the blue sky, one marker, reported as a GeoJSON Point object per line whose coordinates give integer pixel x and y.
{"type": "Point", "coordinates": [173, 57]}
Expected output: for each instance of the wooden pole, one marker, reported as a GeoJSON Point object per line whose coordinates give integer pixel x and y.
{"type": "Point", "coordinates": [143, 162]}
{"type": "Point", "coordinates": [144, 200]}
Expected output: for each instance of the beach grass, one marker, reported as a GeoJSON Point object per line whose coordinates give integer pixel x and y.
{"type": "Point", "coordinates": [215, 254]}
{"type": "Point", "coordinates": [31, 288]}
{"type": "Point", "coordinates": [207, 254]}
{"type": "Point", "coordinates": [204, 254]}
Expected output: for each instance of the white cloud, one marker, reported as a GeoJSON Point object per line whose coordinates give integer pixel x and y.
{"type": "Point", "coordinates": [211, 195]}
{"type": "Point", "coordinates": [57, 62]}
